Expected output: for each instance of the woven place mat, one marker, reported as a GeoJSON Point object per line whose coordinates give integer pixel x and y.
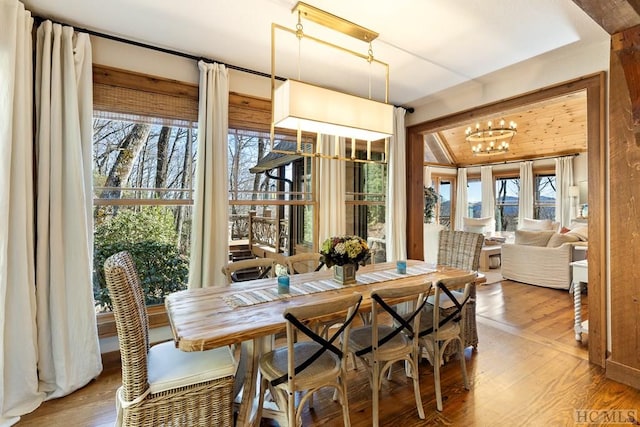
{"type": "Point", "coordinates": [259, 296]}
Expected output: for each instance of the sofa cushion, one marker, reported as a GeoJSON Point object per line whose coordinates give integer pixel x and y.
{"type": "Point", "coordinates": [581, 232]}
{"type": "Point", "coordinates": [533, 238]}
{"type": "Point", "coordinates": [478, 225]}
{"type": "Point", "coordinates": [557, 239]}
{"type": "Point", "coordinates": [538, 224]}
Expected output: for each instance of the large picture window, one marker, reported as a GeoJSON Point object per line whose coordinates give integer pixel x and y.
{"type": "Point", "coordinates": [144, 151]}
{"type": "Point", "coordinates": [507, 194]}
{"type": "Point", "coordinates": [366, 185]}
{"type": "Point", "coordinates": [544, 203]}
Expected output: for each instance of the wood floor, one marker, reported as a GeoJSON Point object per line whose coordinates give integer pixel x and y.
{"type": "Point", "coordinates": [528, 370]}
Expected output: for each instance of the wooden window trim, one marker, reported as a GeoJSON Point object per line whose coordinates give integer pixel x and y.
{"type": "Point", "coordinates": [245, 112]}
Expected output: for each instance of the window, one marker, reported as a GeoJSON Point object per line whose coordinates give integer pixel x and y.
{"type": "Point", "coordinates": [444, 187]}
{"type": "Point", "coordinates": [507, 192]}
{"type": "Point", "coordinates": [144, 148]}
{"type": "Point", "coordinates": [366, 185]}
{"type": "Point", "coordinates": [544, 204]}
{"type": "Point", "coordinates": [474, 198]}
{"type": "Point", "coordinates": [270, 194]}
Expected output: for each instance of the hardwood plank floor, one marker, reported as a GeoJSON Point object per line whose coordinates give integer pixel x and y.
{"type": "Point", "coordinates": [528, 370]}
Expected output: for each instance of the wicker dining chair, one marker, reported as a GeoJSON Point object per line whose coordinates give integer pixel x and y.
{"type": "Point", "coordinates": [249, 269]}
{"type": "Point", "coordinates": [379, 345]}
{"type": "Point", "coordinates": [304, 262]}
{"type": "Point", "coordinates": [446, 326]}
{"type": "Point", "coordinates": [309, 365]}
{"type": "Point", "coordinates": [162, 385]}
{"type": "Point", "coordinates": [461, 249]}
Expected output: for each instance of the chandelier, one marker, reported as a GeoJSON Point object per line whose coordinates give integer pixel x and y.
{"type": "Point", "coordinates": [490, 140]}
{"type": "Point", "coordinates": [304, 107]}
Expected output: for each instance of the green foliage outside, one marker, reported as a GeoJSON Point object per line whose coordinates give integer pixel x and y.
{"type": "Point", "coordinates": [149, 235]}
{"type": "Point", "coordinates": [430, 202]}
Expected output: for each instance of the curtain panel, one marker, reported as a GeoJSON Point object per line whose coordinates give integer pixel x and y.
{"type": "Point", "coordinates": [332, 212]}
{"type": "Point", "coordinates": [47, 320]}
{"type": "Point", "coordinates": [488, 192]}
{"type": "Point", "coordinates": [19, 392]}
{"type": "Point", "coordinates": [525, 198]}
{"type": "Point", "coordinates": [564, 180]}
{"type": "Point", "coordinates": [210, 233]}
{"type": "Point", "coordinates": [461, 199]}
{"type": "Point", "coordinates": [396, 212]}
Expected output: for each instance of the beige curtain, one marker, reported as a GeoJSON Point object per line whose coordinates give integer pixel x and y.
{"type": "Point", "coordinates": [488, 190]}
{"type": "Point", "coordinates": [461, 200]}
{"type": "Point", "coordinates": [564, 180]}
{"type": "Point", "coordinates": [332, 209]}
{"type": "Point", "coordinates": [396, 212]}
{"type": "Point", "coordinates": [19, 392]}
{"type": "Point", "coordinates": [48, 324]}
{"type": "Point", "coordinates": [525, 198]}
{"type": "Point", "coordinates": [69, 353]}
{"type": "Point", "coordinates": [210, 233]}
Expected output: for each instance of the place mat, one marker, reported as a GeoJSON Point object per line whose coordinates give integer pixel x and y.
{"type": "Point", "coordinates": [259, 296]}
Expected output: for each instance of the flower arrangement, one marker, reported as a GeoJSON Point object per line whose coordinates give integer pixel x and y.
{"type": "Point", "coordinates": [341, 250]}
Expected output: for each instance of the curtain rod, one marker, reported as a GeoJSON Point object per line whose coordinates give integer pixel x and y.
{"type": "Point", "coordinates": [508, 162]}
{"type": "Point", "coordinates": [40, 19]}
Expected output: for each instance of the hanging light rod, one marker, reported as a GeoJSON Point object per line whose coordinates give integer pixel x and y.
{"type": "Point", "coordinates": [334, 22]}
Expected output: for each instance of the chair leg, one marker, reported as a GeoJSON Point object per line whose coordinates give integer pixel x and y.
{"type": "Point", "coordinates": [463, 366]}
{"type": "Point", "coordinates": [413, 362]}
{"type": "Point", "coordinates": [344, 401]}
{"type": "Point", "coordinates": [437, 359]}
{"type": "Point", "coordinates": [375, 388]}
{"type": "Point", "coordinates": [264, 384]}
{"type": "Point", "coordinates": [291, 408]}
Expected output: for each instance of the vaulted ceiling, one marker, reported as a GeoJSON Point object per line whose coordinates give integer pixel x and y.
{"type": "Point", "coordinates": [547, 128]}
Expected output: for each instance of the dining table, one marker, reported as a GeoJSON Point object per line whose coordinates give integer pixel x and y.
{"type": "Point", "coordinates": [250, 313]}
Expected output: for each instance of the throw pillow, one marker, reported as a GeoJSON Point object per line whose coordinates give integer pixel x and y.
{"type": "Point", "coordinates": [477, 225]}
{"type": "Point", "coordinates": [581, 232]}
{"type": "Point", "coordinates": [557, 239]}
{"type": "Point", "coordinates": [536, 224]}
{"type": "Point", "coordinates": [532, 237]}
{"type": "Point", "coordinates": [564, 230]}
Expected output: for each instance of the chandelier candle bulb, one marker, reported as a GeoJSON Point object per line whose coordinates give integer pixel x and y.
{"type": "Point", "coordinates": [490, 140]}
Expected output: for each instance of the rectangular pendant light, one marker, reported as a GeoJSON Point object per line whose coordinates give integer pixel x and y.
{"type": "Point", "coordinates": [298, 105]}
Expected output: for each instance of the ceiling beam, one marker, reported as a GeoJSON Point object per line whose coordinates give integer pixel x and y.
{"type": "Point", "coordinates": [612, 15]}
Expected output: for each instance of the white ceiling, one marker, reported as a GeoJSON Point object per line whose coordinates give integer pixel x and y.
{"type": "Point", "coordinates": [430, 45]}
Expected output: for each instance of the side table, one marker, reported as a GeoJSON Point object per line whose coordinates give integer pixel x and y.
{"type": "Point", "coordinates": [486, 252]}
{"type": "Point", "coordinates": [580, 270]}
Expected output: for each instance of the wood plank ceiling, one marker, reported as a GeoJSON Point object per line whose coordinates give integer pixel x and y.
{"type": "Point", "coordinates": [549, 128]}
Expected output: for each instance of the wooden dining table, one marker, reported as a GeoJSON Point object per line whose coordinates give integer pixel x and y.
{"type": "Point", "coordinates": [215, 316]}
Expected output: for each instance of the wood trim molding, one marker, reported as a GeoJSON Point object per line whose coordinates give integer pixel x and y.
{"type": "Point", "coordinates": [623, 373]}
{"type": "Point", "coordinates": [595, 84]}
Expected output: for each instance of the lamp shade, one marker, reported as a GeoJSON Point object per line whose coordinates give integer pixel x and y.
{"type": "Point", "coordinates": [574, 191]}
{"type": "Point", "coordinates": [298, 105]}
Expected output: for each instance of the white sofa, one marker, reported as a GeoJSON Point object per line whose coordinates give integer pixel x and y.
{"type": "Point", "coordinates": [542, 257]}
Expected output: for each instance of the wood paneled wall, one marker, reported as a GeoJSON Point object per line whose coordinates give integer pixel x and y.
{"type": "Point", "coordinates": [624, 161]}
